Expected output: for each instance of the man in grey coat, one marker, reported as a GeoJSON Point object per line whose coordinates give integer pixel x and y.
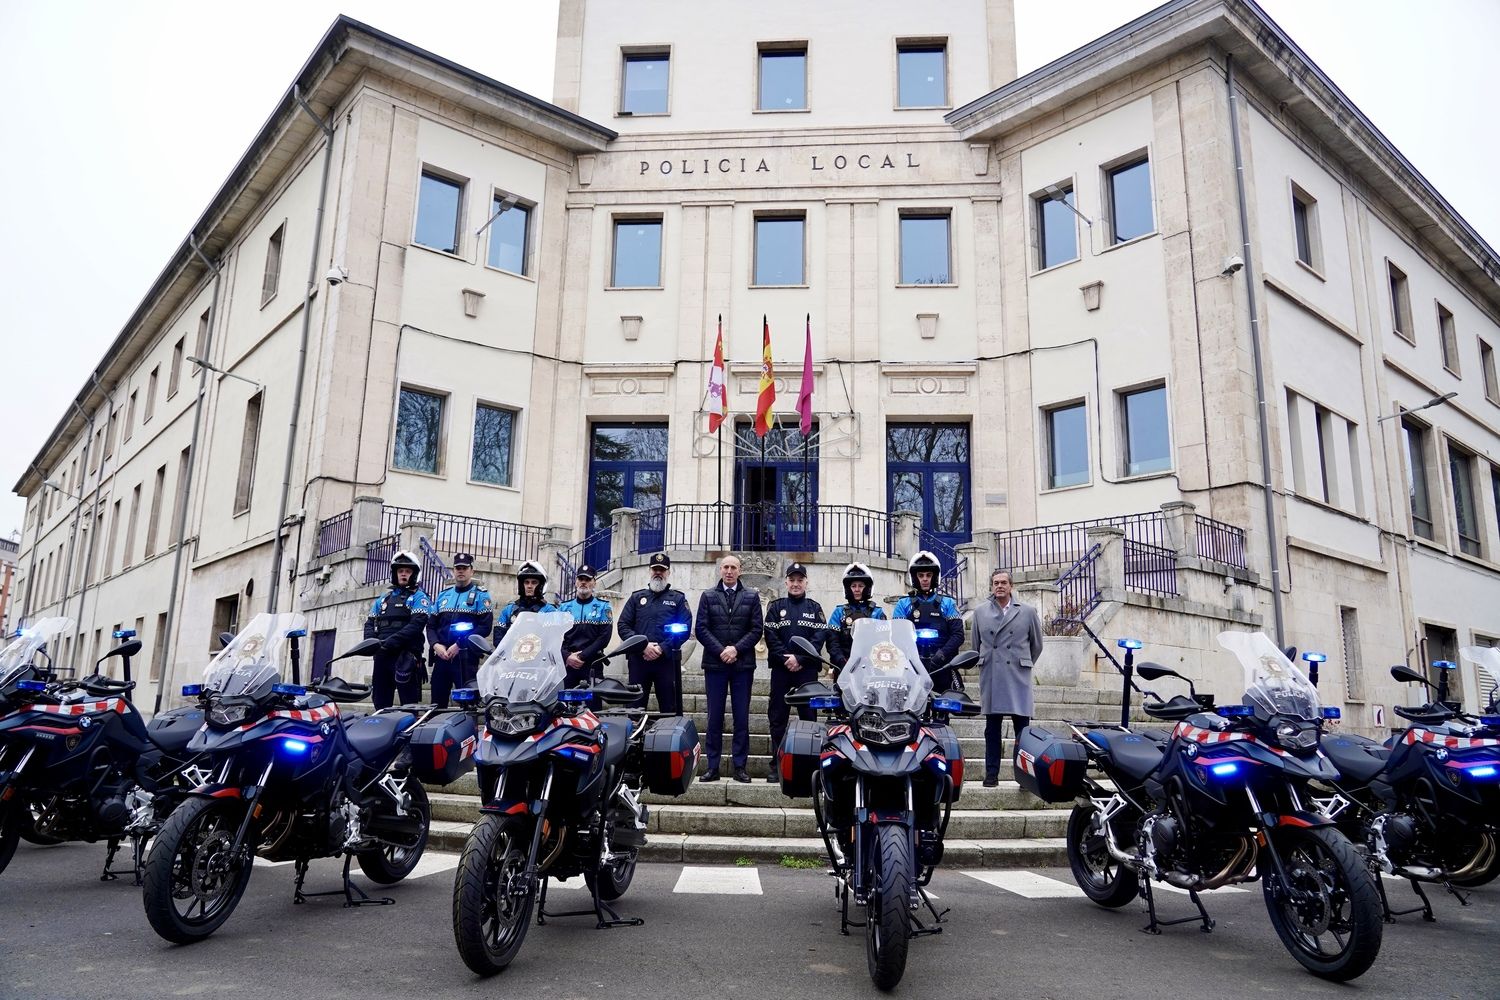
{"type": "Point", "coordinates": [1008, 639]}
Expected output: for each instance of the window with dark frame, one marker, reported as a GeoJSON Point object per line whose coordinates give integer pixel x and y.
{"type": "Point", "coordinates": [1305, 227]}
{"type": "Point", "coordinates": [226, 619]}
{"type": "Point", "coordinates": [780, 250]}
{"type": "Point", "coordinates": [921, 75]}
{"type": "Point", "coordinates": [926, 248]}
{"type": "Point", "coordinates": [1128, 188]}
{"type": "Point", "coordinates": [1400, 303]}
{"type": "Point", "coordinates": [782, 85]}
{"type": "Point", "coordinates": [1448, 337]}
{"type": "Point", "coordinates": [493, 448]}
{"type": "Point", "coordinates": [130, 415]}
{"type": "Point", "coordinates": [127, 557]}
{"type": "Point", "coordinates": [249, 445]}
{"type": "Point", "coordinates": [271, 276]}
{"type": "Point", "coordinates": [510, 237]}
{"type": "Point", "coordinates": [1056, 229]}
{"type": "Point", "coordinates": [1465, 511]}
{"type": "Point", "coordinates": [1147, 437]}
{"type": "Point", "coordinates": [644, 82]}
{"type": "Point", "coordinates": [158, 647]}
{"type": "Point", "coordinates": [439, 204]}
{"type": "Point", "coordinates": [1067, 445]}
{"type": "Point", "coordinates": [174, 376]}
{"type": "Point", "coordinates": [1487, 366]}
{"type": "Point", "coordinates": [1327, 471]}
{"type": "Point", "coordinates": [153, 522]}
{"type": "Point", "coordinates": [1418, 484]}
{"type": "Point", "coordinates": [180, 494]}
{"type": "Point", "coordinates": [419, 432]}
{"type": "Point", "coordinates": [151, 394]}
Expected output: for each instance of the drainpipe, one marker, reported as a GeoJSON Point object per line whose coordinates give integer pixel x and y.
{"type": "Point", "coordinates": [279, 547]}
{"type": "Point", "coordinates": [83, 591]}
{"type": "Point", "coordinates": [187, 479]}
{"type": "Point", "coordinates": [88, 443]}
{"type": "Point", "coordinates": [36, 543]}
{"type": "Point", "coordinates": [1272, 537]}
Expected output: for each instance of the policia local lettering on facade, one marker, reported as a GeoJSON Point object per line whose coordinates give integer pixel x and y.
{"type": "Point", "coordinates": [753, 165]}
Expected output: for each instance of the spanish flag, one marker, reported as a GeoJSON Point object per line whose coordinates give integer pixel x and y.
{"type": "Point", "coordinates": [766, 402]}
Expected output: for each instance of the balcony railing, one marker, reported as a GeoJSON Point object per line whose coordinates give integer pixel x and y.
{"type": "Point", "coordinates": [485, 539]}
{"type": "Point", "coordinates": [1078, 588]}
{"type": "Point", "coordinates": [1221, 543]}
{"type": "Point", "coordinates": [1023, 549]}
{"type": "Point", "coordinates": [333, 533]}
{"type": "Point", "coordinates": [1150, 569]}
{"type": "Point", "coordinates": [766, 527]}
{"type": "Point", "coordinates": [378, 555]}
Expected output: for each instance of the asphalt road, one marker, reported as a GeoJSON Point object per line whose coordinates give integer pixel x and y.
{"type": "Point", "coordinates": [771, 932]}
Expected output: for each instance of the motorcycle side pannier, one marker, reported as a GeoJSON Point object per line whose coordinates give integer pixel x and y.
{"type": "Point", "coordinates": [948, 740]}
{"type": "Point", "coordinates": [801, 751]}
{"type": "Point", "coordinates": [442, 748]}
{"type": "Point", "coordinates": [670, 751]}
{"type": "Point", "coordinates": [1050, 766]}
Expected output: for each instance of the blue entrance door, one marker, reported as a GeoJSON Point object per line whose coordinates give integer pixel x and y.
{"type": "Point", "coordinates": [775, 490]}
{"type": "Point", "coordinates": [627, 468]}
{"type": "Point", "coordinates": [927, 471]}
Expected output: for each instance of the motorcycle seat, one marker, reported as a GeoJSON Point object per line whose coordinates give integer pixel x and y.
{"type": "Point", "coordinates": [616, 733]}
{"type": "Point", "coordinates": [1134, 755]}
{"type": "Point", "coordinates": [1358, 759]}
{"type": "Point", "coordinates": [372, 735]}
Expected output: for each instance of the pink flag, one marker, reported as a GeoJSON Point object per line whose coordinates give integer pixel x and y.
{"type": "Point", "coordinates": [805, 394]}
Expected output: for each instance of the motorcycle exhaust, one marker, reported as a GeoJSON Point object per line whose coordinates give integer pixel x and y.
{"type": "Point", "coordinates": [403, 831]}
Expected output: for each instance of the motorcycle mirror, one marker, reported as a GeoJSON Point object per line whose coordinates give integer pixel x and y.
{"type": "Point", "coordinates": [1155, 671]}
{"type": "Point", "coordinates": [634, 642]}
{"type": "Point", "coordinates": [365, 647]}
{"type": "Point", "coordinates": [964, 660]}
{"type": "Point", "coordinates": [804, 646]}
{"type": "Point", "coordinates": [1404, 673]}
{"type": "Point", "coordinates": [124, 649]}
{"type": "Point", "coordinates": [482, 644]}
{"type": "Point", "coordinates": [225, 638]}
{"type": "Point", "coordinates": [1291, 653]}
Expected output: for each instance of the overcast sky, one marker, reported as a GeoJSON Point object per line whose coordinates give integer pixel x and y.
{"type": "Point", "coordinates": [122, 119]}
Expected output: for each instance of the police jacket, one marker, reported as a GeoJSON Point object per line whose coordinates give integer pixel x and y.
{"type": "Point", "coordinates": [788, 617]}
{"type": "Point", "coordinates": [589, 637]}
{"type": "Point", "coordinates": [472, 606]}
{"type": "Point", "coordinates": [398, 618]}
{"type": "Point", "coordinates": [520, 604]}
{"type": "Point", "coordinates": [725, 621]}
{"type": "Point", "coordinates": [650, 615]}
{"type": "Point", "coordinates": [939, 613]}
{"type": "Point", "coordinates": [841, 628]}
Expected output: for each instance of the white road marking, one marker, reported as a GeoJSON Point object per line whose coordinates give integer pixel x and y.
{"type": "Point", "coordinates": [434, 863]}
{"type": "Point", "coordinates": [719, 881]}
{"type": "Point", "coordinates": [263, 863]}
{"type": "Point", "coordinates": [1172, 888]}
{"type": "Point", "coordinates": [1027, 884]}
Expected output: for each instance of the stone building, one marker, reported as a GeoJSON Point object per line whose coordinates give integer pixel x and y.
{"type": "Point", "coordinates": [1044, 313]}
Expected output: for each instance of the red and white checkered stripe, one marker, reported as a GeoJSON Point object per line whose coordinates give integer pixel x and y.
{"type": "Point", "coordinates": [328, 711]}
{"type": "Point", "coordinates": [1187, 732]}
{"type": "Point", "coordinates": [81, 707]}
{"type": "Point", "coordinates": [1444, 740]}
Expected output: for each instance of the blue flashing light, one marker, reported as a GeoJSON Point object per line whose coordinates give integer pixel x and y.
{"type": "Point", "coordinates": [1490, 720]}
{"type": "Point", "coordinates": [1225, 769]}
{"type": "Point", "coordinates": [123, 633]}
{"type": "Point", "coordinates": [296, 633]}
{"type": "Point", "coordinates": [294, 746]}
{"type": "Point", "coordinates": [1130, 644]}
{"type": "Point", "coordinates": [575, 753]}
{"type": "Point", "coordinates": [461, 627]}
{"type": "Point", "coordinates": [465, 694]}
{"type": "Point", "coordinates": [1330, 712]}
{"type": "Point", "coordinates": [677, 628]}
{"type": "Point", "coordinates": [575, 694]}
{"type": "Point", "coordinates": [295, 690]}
{"type": "Point", "coordinates": [948, 705]}
{"type": "Point", "coordinates": [1445, 664]}
{"type": "Point", "coordinates": [926, 634]}
{"type": "Point", "coordinates": [826, 701]}
{"type": "Point", "coordinates": [1315, 657]}
{"type": "Point", "coordinates": [192, 690]}
{"type": "Point", "coordinates": [1486, 771]}
{"type": "Point", "coordinates": [31, 686]}
{"type": "Point", "coordinates": [1235, 711]}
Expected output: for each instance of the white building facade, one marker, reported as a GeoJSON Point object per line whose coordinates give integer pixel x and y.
{"type": "Point", "coordinates": [1031, 301]}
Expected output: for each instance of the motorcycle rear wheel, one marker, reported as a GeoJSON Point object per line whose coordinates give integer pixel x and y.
{"type": "Point", "coordinates": [390, 864]}
{"type": "Point", "coordinates": [888, 913]}
{"type": "Point", "coordinates": [9, 834]}
{"type": "Point", "coordinates": [612, 880]}
{"type": "Point", "coordinates": [1101, 877]}
{"type": "Point", "coordinates": [190, 865]}
{"type": "Point", "coordinates": [489, 923]}
{"type": "Point", "coordinates": [1335, 932]}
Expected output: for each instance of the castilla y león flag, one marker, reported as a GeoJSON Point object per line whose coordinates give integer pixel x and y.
{"type": "Point", "coordinates": [718, 391]}
{"type": "Point", "coordinates": [805, 394]}
{"type": "Point", "coordinates": [765, 403]}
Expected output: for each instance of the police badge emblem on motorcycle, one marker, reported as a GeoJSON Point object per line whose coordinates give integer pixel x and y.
{"type": "Point", "coordinates": [884, 656]}
{"type": "Point", "coordinates": [526, 648]}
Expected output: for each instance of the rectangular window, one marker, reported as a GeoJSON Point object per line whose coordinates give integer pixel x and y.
{"type": "Point", "coordinates": [128, 555]}
{"type": "Point", "coordinates": [153, 523]}
{"type": "Point", "coordinates": [779, 250]}
{"type": "Point", "coordinates": [643, 83]}
{"type": "Point", "coordinates": [1416, 470]}
{"type": "Point", "coordinates": [109, 433]}
{"type": "Point", "coordinates": [1327, 470]}
{"type": "Point", "coordinates": [1067, 446]}
{"type": "Point", "coordinates": [1056, 227]}
{"type": "Point", "coordinates": [151, 395]}
{"type": "Point", "coordinates": [1487, 365]}
{"type": "Point", "coordinates": [494, 435]}
{"type": "Point", "coordinates": [200, 350]}
{"type": "Point", "coordinates": [1449, 339]}
{"type": "Point", "coordinates": [1148, 443]}
{"type": "Point", "coordinates": [783, 77]}
{"type": "Point", "coordinates": [1400, 303]}
{"type": "Point", "coordinates": [926, 254]}
{"type": "Point", "coordinates": [249, 445]}
{"type": "Point", "coordinates": [226, 619]}
{"type": "Point", "coordinates": [1487, 683]}
{"type": "Point", "coordinates": [439, 203]}
{"type": "Point", "coordinates": [1305, 228]}
{"type": "Point", "coordinates": [419, 432]}
{"type": "Point", "coordinates": [181, 492]}
{"type": "Point", "coordinates": [158, 647]}
{"type": "Point", "coordinates": [96, 556]}
{"type": "Point", "coordinates": [637, 257]}
{"type": "Point", "coordinates": [510, 236]}
{"type": "Point", "coordinates": [130, 415]}
{"type": "Point", "coordinates": [1356, 481]}
{"type": "Point", "coordinates": [174, 377]}
{"type": "Point", "coordinates": [1129, 193]}
{"type": "Point", "coordinates": [1465, 511]}
{"type": "Point", "coordinates": [921, 75]}
{"type": "Point", "coordinates": [96, 450]}
{"type": "Point", "coordinates": [270, 281]}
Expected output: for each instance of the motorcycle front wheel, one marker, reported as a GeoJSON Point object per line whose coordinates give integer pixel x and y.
{"type": "Point", "coordinates": [490, 920]}
{"type": "Point", "coordinates": [1328, 914]}
{"type": "Point", "coordinates": [888, 913]}
{"type": "Point", "coordinates": [9, 834]}
{"type": "Point", "coordinates": [1101, 877]}
{"type": "Point", "coordinates": [192, 882]}
{"type": "Point", "coordinates": [390, 864]}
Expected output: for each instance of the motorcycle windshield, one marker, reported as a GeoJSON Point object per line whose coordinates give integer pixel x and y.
{"type": "Point", "coordinates": [528, 663]}
{"type": "Point", "coordinates": [1272, 682]}
{"type": "Point", "coordinates": [19, 653]}
{"type": "Point", "coordinates": [884, 667]}
{"type": "Point", "coordinates": [1486, 659]}
{"type": "Point", "coordinates": [255, 659]}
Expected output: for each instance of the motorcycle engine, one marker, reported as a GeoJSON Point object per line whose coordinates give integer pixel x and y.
{"type": "Point", "coordinates": [1164, 834]}
{"type": "Point", "coordinates": [112, 813]}
{"type": "Point", "coordinates": [1399, 830]}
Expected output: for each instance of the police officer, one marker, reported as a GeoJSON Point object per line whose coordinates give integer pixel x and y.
{"type": "Point", "coordinates": [397, 619]}
{"type": "Point", "coordinates": [661, 614]}
{"type": "Point", "coordinates": [586, 639]}
{"type": "Point", "coordinates": [462, 610]}
{"type": "Point", "coordinates": [531, 580]}
{"type": "Point", "coordinates": [857, 604]}
{"type": "Point", "coordinates": [940, 628]}
{"type": "Point", "coordinates": [787, 617]}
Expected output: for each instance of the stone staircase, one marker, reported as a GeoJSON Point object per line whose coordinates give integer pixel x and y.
{"type": "Point", "coordinates": [727, 821]}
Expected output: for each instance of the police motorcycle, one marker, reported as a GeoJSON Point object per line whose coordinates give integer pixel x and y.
{"type": "Point", "coordinates": [559, 787]}
{"type": "Point", "coordinates": [78, 762]}
{"type": "Point", "coordinates": [1223, 798]}
{"type": "Point", "coordinates": [291, 780]}
{"type": "Point", "coordinates": [883, 779]}
{"type": "Point", "coordinates": [1425, 804]}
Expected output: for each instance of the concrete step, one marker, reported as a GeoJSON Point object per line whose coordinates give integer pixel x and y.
{"type": "Point", "coordinates": [693, 683]}
{"type": "Point", "coordinates": [1007, 795]}
{"type": "Point", "coordinates": [1020, 852]}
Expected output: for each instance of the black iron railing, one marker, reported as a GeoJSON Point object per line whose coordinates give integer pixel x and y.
{"type": "Point", "coordinates": [378, 555]}
{"type": "Point", "coordinates": [485, 539]}
{"type": "Point", "coordinates": [766, 527]}
{"type": "Point", "coordinates": [1221, 543]}
{"type": "Point", "coordinates": [1078, 590]}
{"type": "Point", "coordinates": [1023, 549]}
{"type": "Point", "coordinates": [1150, 569]}
{"type": "Point", "coordinates": [333, 533]}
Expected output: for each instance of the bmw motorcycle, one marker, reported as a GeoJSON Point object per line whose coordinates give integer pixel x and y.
{"type": "Point", "coordinates": [291, 781]}
{"type": "Point", "coordinates": [559, 787]}
{"type": "Point", "coordinates": [1425, 804]}
{"type": "Point", "coordinates": [883, 779]}
{"type": "Point", "coordinates": [1223, 798]}
{"type": "Point", "coordinates": [77, 760]}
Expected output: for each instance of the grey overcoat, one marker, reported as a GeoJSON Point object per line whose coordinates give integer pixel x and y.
{"type": "Point", "coordinates": [1007, 649]}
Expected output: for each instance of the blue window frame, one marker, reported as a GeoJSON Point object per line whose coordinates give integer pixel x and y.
{"type": "Point", "coordinates": [775, 491]}
{"type": "Point", "coordinates": [927, 471]}
{"type": "Point", "coordinates": [627, 468]}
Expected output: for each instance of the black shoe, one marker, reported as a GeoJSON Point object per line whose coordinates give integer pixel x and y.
{"type": "Point", "coordinates": [712, 774]}
{"type": "Point", "coordinates": [772, 779]}
{"type": "Point", "coordinates": [991, 781]}
{"type": "Point", "coordinates": [742, 776]}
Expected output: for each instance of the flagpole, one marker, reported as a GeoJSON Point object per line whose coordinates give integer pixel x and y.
{"type": "Point", "coordinates": [719, 506]}
{"type": "Point", "coordinates": [806, 480]}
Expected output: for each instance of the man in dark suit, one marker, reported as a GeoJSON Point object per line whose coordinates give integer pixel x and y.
{"type": "Point", "coordinates": [729, 626]}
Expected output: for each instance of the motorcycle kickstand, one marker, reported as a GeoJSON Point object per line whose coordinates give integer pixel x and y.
{"type": "Point", "coordinates": [602, 912]}
{"type": "Point", "coordinates": [936, 916]}
{"type": "Point", "coordinates": [1389, 915]}
{"type": "Point", "coordinates": [349, 891]}
{"type": "Point", "coordinates": [1457, 893]}
{"type": "Point", "coordinates": [922, 929]}
{"type": "Point", "coordinates": [1156, 924]}
{"type": "Point", "coordinates": [109, 874]}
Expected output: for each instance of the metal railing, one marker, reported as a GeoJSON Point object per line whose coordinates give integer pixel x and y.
{"type": "Point", "coordinates": [435, 572]}
{"type": "Point", "coordinates": [951, 580]}
{"type": "Point", "coordinates": [486, 539]}
{"type": "Point", "coordinates": [766, 527]}
{"type": "Point", "coordinates": [1023, 549]}
{"type": "Point", "coordinates": [1221, 543]}
{"type": "Point", "coordinates": [576, 555]}
{"type": "Point", "coordinates": [1078, 587]}
{"type": "Point", "coordinates": [334, 533]}
{"type": "Point", "coordinates": [1150, 569]}
{"type": "Point", "coordinates": [378, 555]}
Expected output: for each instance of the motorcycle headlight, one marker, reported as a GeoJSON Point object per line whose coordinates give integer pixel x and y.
{"type": "Point", "coordinates": [1297, 736]}
{"type": "Point", "coordinates": [503, 722]}
{"type": "Point", "coordinates": [874, 729]}
{"type": "Point", "coordinates": [228, 715]}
